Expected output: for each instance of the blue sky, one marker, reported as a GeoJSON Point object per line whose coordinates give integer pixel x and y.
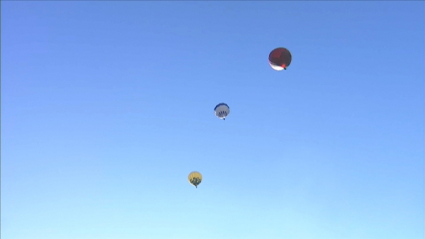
{"type": "Point", "coordinates": [108, 106]}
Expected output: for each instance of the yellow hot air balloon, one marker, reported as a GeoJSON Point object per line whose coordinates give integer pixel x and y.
{"type": "Point", "coordinates": [195, 178]}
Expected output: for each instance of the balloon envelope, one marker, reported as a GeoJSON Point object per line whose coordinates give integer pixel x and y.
{"type": "Point", "coordinates": [280, 58]}
{"type": "Point", "coordinates": [195, 178]}
{"type": "Point", "coordinates": [222, 110]}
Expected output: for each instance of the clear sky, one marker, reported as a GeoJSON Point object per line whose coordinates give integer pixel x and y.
{"type": "Point", "coordinates": [106, 107]}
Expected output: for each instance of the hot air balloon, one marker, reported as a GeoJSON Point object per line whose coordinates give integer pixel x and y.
{"type": "Point", "coordinates": [222, 110]}
{"type": "Point", "coordinates": [195, 178]}
{"type": "Point", "coordinates": [280, 58]}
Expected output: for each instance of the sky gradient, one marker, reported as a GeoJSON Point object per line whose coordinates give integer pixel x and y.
{"type": "Point", "coordinates": [107, 106]}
